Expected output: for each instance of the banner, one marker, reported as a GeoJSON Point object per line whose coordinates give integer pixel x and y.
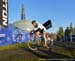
{"type": "Point", "coordinates": [4, 13]}
{"type": "Point", "coordinates": [47, 24]}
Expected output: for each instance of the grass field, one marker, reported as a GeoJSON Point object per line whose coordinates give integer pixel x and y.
{"type": "Point", "coordinates": [21, 52]}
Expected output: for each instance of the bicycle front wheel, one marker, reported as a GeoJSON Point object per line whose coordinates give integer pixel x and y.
{"type": "Point", "coordinates": [32, 45]}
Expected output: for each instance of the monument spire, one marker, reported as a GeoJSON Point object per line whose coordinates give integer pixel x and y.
{"type": "Point", "coordinates": [23, 12]}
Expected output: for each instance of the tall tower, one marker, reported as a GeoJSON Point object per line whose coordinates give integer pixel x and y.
{"type": "Point", "coordinates": [23, 12]}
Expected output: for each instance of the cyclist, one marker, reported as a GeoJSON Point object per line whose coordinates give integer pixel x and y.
{"type": "Point", "coordinates": [39, 31]}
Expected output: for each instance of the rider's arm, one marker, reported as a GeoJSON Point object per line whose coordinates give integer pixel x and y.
{"type": "Point", "coordinates": [31, 31]}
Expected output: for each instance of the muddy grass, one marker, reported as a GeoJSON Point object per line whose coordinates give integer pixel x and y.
{"type": "Point", "coordinates": [20, 52]}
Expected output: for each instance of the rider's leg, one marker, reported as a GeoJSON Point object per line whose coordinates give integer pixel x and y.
{"type": "Point", "coordinates": [45, 38]}
{"type": "Point", "coordinates": [38, 37]}
{"type": "Point", "coordinates": [51, 42]}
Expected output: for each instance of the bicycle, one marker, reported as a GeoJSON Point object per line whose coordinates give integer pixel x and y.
{"type": "Point", "coordinates": [36, 42]}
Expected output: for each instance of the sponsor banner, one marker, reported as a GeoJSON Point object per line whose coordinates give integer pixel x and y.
{"type": "Point", "coordinates": [4, 13]}
{"type": "Point", "coordinates": [11, 35]}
